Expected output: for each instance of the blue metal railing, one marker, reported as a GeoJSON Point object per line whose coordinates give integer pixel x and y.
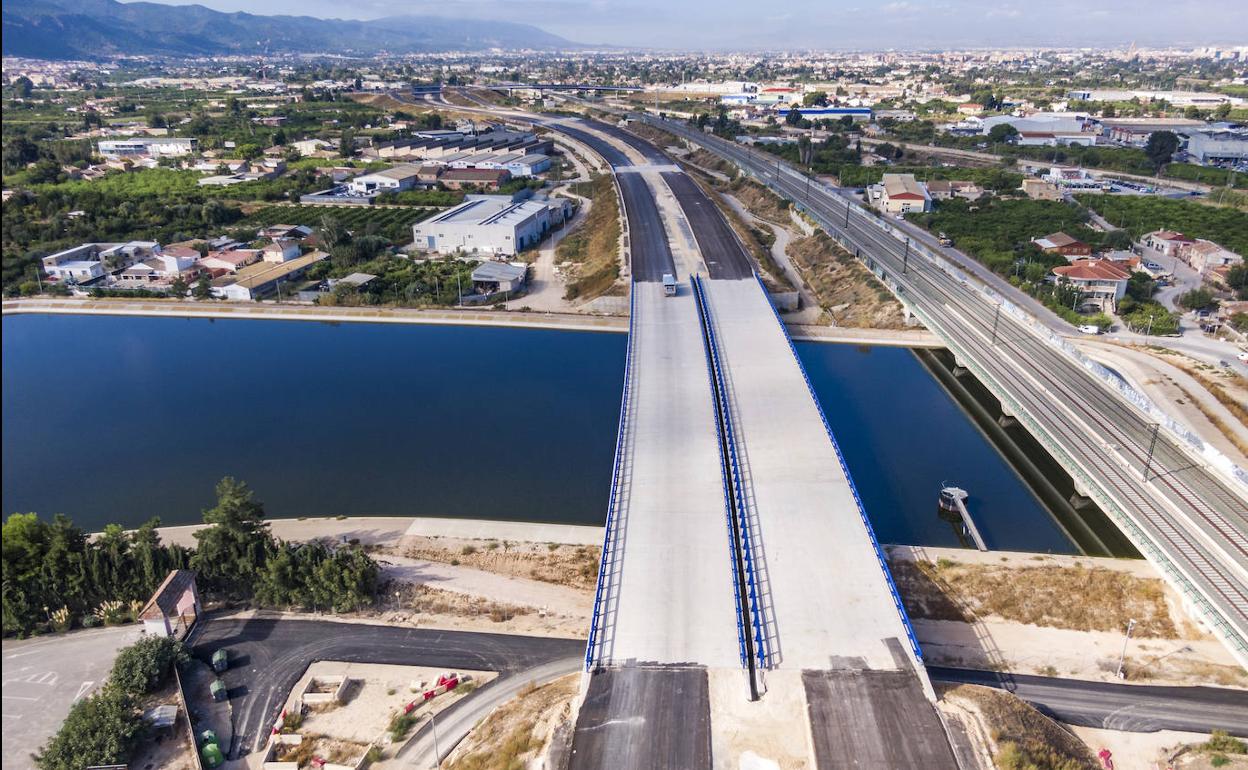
{"type": "Point", "coordinates": [862, 511]}
{"type": "Point", "coordinates": [608, 555]}
{"type": "Point", "coordinates": [753, 596]}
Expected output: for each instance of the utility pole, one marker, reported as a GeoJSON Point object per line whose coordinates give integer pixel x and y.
{"type": "Point", "coordinates": [1122, 658]}
{"type": "Point", "coordinates": [905, 258]}
{"type": "Point", "coordinates": [1152, 446]}
{"type": "Point", "coordinates": [996, 316]}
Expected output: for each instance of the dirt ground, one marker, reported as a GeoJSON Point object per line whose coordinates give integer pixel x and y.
{"type": "Point", "coordinates": [168, 750]}
{"type": "Point", "coordinates": [522, 731]}
{"type": "Point", "coordinates": [1013, 733]}
{"type": "Point", "coordinates": [575, 566]}
{"type": "Point", "coordinates": [762, 733]}
{"type": "Point", "coordinates": [849, 294]}
{"type": "Point", "coordinates": [1051, 615]}
{"type": "Point", "coordinates": [1162, 749]}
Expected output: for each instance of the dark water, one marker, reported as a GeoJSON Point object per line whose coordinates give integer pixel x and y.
{"type": "Point", "coordinates": [118, 419]}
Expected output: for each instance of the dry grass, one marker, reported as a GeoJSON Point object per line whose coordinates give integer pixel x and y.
{"type": "Point", "coordinates": [594, 247]}
{"type": "Point", "coordinates": [843, 286]}
{"type": "Point", "coordinates": [437, 601]}
{"type": "Point", "coordinates": [1025, 738]}
{"type": "Point", "coordinates": [1074, 598]}
{"type": "Point", "coordinates": [518, 731]}
{"type": "Point", "coordinates": [575, 566]}
{"type": "Point", "coordinates": [761, 202]}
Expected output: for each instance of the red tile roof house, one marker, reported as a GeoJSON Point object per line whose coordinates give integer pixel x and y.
{"type": "Point", "coordinates": [174, 608]}
{"type": "Point", "coordinates": [1101, 281]}
{"type": "Point", "coordinates": [1066, 245]}
{"type": "Point", "coordinates": [1168, 243]}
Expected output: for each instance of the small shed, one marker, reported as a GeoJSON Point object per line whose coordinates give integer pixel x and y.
{"type": "Point", "coordinates": [491, 277]}
{"type": "Point", "coordinates": [174, 608]}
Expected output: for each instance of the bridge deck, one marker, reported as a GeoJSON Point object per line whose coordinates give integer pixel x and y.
{"type": "Point", "coordinates": [826, 599]}
{"type": "Point", "coordinates": [672, 599]}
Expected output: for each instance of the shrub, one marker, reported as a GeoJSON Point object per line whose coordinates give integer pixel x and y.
{"type": "Point", "coordinates": [143, 666]}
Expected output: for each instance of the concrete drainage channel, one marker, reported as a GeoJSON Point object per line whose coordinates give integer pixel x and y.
{"type": "Point", "coordinates": [744, 576]}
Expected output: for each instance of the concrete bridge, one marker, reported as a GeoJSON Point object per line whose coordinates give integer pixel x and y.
{"type": "Point", "coordinates": [736, 546]}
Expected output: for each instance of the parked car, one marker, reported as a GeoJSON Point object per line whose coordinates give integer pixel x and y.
{"type": "Point", "coordinates": [1090, 329]}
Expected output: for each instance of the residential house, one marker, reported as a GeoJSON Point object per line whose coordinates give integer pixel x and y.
{"type": "Point", "coordinates": [1102, 282]}
{"type": "Point", "coordinates": [1167, 243]}
{"type": "Point", "coordinates": [230, 261]}
{"type": "Point", "coordinates": [168, 265]}
{"type": "Point", "coordinates": [284, 231]}
{"type": "Point", "coordinates": [280, 250]}
{"type": "Point", "coordinates": [943, 189]}
{"type": "Point", "coordinates": [1206, 256]}
{"type": "Point", "coordinates": [1040, 190]}
{"type": "Point", "coordinates": [306, 147]}
{"type": "Point", "coordinates": [1061, 243]}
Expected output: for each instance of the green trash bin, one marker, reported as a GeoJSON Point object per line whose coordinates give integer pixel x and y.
{"type": "Point", "coordinates": [212, 756]}
{"type": "Point", "coordinates": [208, 738]}
{"type": "Point", "coordinates": [220, 660]}
{"type": "Point", "coordinates": [218, 690]}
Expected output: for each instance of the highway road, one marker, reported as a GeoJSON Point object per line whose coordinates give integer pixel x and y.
{"type": "Point", "coordinates": [650, 252]}
{"type": "Point", "coordinates": [1128, 707]}
{"type": "Point", "coordinates": [1185, 517]}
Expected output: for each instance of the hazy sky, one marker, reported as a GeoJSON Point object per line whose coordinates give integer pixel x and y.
{"type": "Point", "coordinates": [831, 24]}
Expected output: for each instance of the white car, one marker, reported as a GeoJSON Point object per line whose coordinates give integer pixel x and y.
{"type": "Point", "coordinates": [1090, 329]}
{"type": "Point", "coordinates": [1243, 357]}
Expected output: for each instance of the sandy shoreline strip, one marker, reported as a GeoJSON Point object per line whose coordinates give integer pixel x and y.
{"type": "Point", "coordinates": [501, 318]}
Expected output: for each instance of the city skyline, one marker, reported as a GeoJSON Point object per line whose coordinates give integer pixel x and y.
{"type": "Point", "coordinates": [805, 24]}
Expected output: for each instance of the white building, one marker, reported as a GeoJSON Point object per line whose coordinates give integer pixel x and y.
{"type": "Point", "coordinates": [395, 179]}
{"type": "Point", "coordinates": [1206, 256]}
{"type": "Point", "coordinates": [280, 250]}
{"type": "Point", "coordinates": [149, 146]}
{"type": "Point", "coordinates": [489, 224]}
{"type": "Point", "coordinates": [900, 194]}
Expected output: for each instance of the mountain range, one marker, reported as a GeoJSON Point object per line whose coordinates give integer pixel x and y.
{"type": "Point", "coordinates": [95, 29]}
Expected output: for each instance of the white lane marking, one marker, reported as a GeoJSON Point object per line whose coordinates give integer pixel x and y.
{"type": "Point", "coordinates": [83, 689]}
{"type": "Point", "coordinates": [17, 697]}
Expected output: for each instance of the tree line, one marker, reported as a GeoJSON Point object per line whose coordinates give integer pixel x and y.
{"type": "Point", "coordinates": [56, 576]}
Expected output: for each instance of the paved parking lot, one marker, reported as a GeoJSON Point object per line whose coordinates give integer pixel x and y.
{"type": "Point", "coordinates": [42, 679]}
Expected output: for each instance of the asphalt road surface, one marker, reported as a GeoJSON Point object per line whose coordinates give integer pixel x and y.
{"type": "Point", "coordinates": [722, 251]}
{"type": "Point", "coordinates": [650, 253]}
{"type": "Point", "coordinates": [853, 714]}
{"type": "Point", "coordinates": [651, 718]}
{"type": "Point", "coordinates": [269, 655]}
{"type": "Point", "coordinates": [648, 151]}
{"type": "Point", "coordinates": [1128, 707]}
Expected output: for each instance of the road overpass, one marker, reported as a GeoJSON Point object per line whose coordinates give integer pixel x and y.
{"type": "Point", "coordinates": [1185, 513]}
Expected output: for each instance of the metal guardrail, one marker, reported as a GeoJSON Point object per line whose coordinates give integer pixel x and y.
{"type": "Point", "coordinates": [591, 656]}
{"type": "Point", "coordinates": [862, 511]}
{"type": "Point", "coordinates": [726, 481]}
{"type": "Point", "coordinates": [754, 594]}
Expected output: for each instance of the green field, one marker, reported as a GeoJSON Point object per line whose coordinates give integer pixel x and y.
{"type": "Point", "coordinates": [395, 224]}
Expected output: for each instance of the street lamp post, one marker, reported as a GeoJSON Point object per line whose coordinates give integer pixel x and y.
{"type": "Point", "coordinates": [1122, 657]}
{"type": "Point", "coordinates": [437, 753]}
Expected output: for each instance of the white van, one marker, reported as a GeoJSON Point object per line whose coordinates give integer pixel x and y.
{"type": "Point", "coordinates": [1090, 329]}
